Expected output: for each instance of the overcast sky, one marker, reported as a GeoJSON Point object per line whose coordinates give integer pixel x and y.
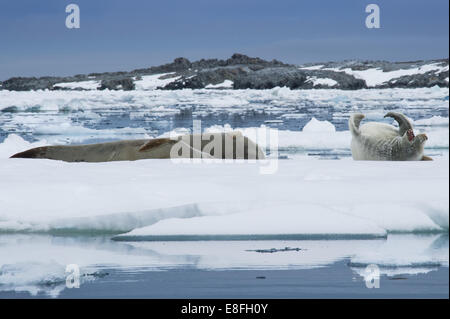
{"type": "Point", "coordinates": [124, 35]}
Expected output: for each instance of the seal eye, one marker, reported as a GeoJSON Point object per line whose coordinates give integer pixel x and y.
{"type": "Point", "coordinates": [410, 134]}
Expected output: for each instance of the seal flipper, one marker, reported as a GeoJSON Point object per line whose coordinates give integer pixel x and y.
{"type": "Point", "coordinates": [154, 143]}
{"type": "Point", "coordinates": [403, 122]}
{"type": "Point", "coordinates": [353, 123]}
{"type": "Point", "coordinates": [37, 152]}
{"type": "Point", "coordinates": [426, 158]}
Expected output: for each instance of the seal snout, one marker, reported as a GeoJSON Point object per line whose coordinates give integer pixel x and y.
{"type": "Point", "coordinates": [422, 137]}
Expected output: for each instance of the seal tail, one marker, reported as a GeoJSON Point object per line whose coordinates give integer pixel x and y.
{"type": "Point", "coordinates": [353, 123]}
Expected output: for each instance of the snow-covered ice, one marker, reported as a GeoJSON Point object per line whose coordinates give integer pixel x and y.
{"type": "Point", "coordinates": [160, 197]}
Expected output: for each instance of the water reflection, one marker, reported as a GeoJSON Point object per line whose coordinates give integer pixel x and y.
{"type": "Point", "coordinates": [36, 263]}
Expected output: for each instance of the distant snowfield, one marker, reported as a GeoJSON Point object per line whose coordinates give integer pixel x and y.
{"type": "Point", "coordinates": [86, 85]}
{"type": "Point", "coordinates": [321, 81]}
{"type": "Point", "coordinates": [376, 76]}
{"type": "Point", "coordinates": [227, 84]}
{"type": "Point", "coordinates": [151, 82]}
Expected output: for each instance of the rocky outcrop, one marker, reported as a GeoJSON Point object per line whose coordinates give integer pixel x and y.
{"type": "Point", "coordinates": [212, 76]}
{"type": "Point", "coordinates": [272, 77]}
{"type": "Point", "coordinates": [125, 83]}
{"type": "Point", "coordinates": [27, 84]}
{"type": "Point", "coordinates": [428, 79]}
{"type": "Point", "coordinates": [295, 78]}
{"type": "Point", "coordinates": [254, 73]}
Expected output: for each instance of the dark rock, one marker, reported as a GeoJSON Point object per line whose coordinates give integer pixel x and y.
{"type": "Point", "coordinates": [27, 84]}
{"type": "Point", "coordinates": [345, 81]}
{"type": "Point", "coordinates": [125, 84]}
{"type": "Point", "coordinates": [210, 76]}
{"type": "Point", "coordinates": [10, 109]}
{"type": "Point", "coordinates": [272, 77]}
{"type": "Point", "coordinates": [428, 79]}
{"type": "Point", "coordinates": [245, 72]}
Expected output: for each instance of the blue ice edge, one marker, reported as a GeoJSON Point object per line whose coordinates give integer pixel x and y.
{"type": "Point", "coordinates": [249, 237]}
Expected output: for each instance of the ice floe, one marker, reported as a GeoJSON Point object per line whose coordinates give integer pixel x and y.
{"type": "Point", "coordinates": [156, 197]}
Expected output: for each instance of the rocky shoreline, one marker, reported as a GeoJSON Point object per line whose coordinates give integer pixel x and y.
{"type": "Point", "coordinates": [243, 72]}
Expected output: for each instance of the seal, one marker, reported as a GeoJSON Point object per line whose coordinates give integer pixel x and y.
{"type": "Point", "coordinates": [213, 145]}
{"type": "Point", "coordinates": [383, 142]}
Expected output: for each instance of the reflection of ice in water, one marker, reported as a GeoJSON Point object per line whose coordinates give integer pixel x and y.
{"type": "Point", "coordinates": [36, 263]}
{"type": "Point", "coordinates": [405, 254]}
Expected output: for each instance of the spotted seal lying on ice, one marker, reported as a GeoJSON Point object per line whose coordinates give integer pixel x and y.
{"type": "Point", "coordinates": [383, 142]}
{"type": "Point", "coordinates": [214, 145]}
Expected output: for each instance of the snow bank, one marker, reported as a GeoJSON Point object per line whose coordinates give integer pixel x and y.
{"type": "Point", "coordinates": [302, 198]}
{"type": "Point", "coordinates": [313, 67]}
{"type": "Point", "coordinates": [227, 84]}
{"type": "Point", "coordinates": [14, 144]}
{"type": "Point", "coordinates": [151, 82]}
{"type": "Point", "coordinates": [86, 85]}
{"type": "Point", "coordinates": [377, 76]}
{"type": "Point", "coordinates": [290, 219]}
{"type": "Point", "coordinates": [321, 81]}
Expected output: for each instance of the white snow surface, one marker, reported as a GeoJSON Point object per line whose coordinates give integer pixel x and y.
{"type": "Point", "coordinates": [313, 67]}
{"type": "Point", "coordinates": [87, 85]}
{"type": "Point", "coordinates": [228, 84]}
{"type": "Point", "coordinates": [321, 81]}
{"type": "Point", "coordinates": [157, 197]}
{"type": "Point", "coordinates": [151, 82]}
{"type": "Point", "coordinates": [376, 76]}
